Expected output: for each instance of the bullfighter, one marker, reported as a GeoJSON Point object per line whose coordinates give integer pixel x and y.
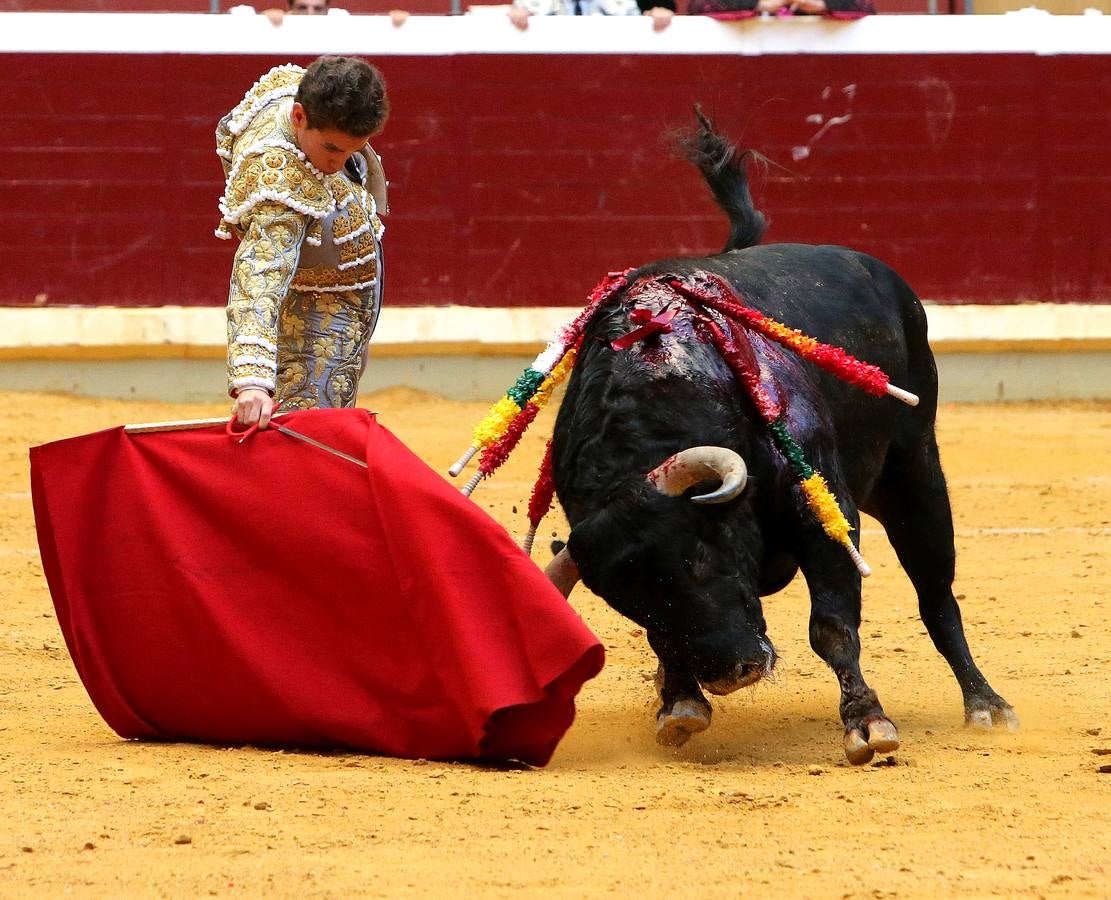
{"type": "Point", "coordinates": [304, 195]}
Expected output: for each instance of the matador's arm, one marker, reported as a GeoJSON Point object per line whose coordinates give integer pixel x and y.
{"type": "Point", "coordinates": [265, 262]}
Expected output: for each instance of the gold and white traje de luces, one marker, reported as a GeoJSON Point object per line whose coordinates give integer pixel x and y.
{"type": "Point", "coordinates": [307, 276]}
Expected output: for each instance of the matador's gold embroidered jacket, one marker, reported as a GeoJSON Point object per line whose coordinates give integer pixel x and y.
{"type": "Point", "coordinates": [298, 229]}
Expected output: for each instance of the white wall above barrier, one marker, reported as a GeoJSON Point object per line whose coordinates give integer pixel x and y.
{"type": "Point", "coordinates": [1024, 32]}
{"type": "Point", "coordinates": [182, 331]}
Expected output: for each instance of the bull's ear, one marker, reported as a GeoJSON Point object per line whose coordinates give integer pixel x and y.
{"type": "Point", "coordinates": [585, 535]}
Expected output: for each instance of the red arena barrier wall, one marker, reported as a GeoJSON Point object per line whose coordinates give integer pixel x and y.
{"type": "Point", "coordinates": [519, 178]}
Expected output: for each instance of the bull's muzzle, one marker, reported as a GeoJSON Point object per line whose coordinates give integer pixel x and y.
{"type": "Point", "coordinates": [744, 673]}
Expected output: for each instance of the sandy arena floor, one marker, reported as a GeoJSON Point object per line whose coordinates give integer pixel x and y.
{"type": "Point", "coordinates": [762, 804]}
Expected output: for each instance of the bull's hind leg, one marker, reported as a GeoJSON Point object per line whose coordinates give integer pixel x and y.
{"type": "Point", "coordinates": [912, 502]}
{"type": "Point", "coordinates": [684, 709]}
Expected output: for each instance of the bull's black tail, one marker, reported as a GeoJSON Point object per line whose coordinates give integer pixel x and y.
{"type": "Point", "coordinates": [724, 168]}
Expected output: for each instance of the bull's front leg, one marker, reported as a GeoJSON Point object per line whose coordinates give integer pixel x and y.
{"type": "Point", "coordinates": [834, 587]}
{"type": "Point", "coordinates": [836, 639]}
{"type": "Point", "coordinates": [684, 710]}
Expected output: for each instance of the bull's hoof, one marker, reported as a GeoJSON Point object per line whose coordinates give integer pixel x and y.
{"type": "Point", "coordinates": [675, 726]}
{"type": "Point", "coordinates": [876, 736]}
{"type": "Point", "coordinates": [995, 715]}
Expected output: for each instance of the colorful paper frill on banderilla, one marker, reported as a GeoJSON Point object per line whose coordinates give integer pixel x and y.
{"type": "Point", "coordinates": [726, 320]}
{"type": "Point", "coordinates": [498, 434]}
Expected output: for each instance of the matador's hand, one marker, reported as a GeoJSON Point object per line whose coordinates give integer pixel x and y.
{"type": "Point", "coordinates": [253, 405]}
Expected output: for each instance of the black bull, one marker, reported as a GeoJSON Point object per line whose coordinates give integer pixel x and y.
{"type": "Point", "coordinates": [693, 574]}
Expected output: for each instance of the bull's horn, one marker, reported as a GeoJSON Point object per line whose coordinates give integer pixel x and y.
{"type": "Point", "coordinates": [562, 572]}
{"type": "Point", "coordinates": [677, 473]}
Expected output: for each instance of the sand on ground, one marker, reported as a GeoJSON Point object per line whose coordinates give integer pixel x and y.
{"type": "Point", "coordinates": [763, 803]}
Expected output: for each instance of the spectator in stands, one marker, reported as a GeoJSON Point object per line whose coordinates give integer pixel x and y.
{"type": "Point", "coordinates": [522, 10]}
{"type": "Point", "coordinates": [303, 194]}
{"type": "Point", "coordinates": [313, 8]}
{"type": "Point", "coordinates": [740, 8]}
{"type": "Point", "coordinates": [660, 10]}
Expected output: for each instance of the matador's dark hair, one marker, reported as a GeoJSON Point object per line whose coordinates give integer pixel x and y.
{"type": "Point", "coordinates": [345, 93]}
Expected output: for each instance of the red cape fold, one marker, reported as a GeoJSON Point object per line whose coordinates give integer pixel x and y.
{"type": "Point", "coordinates": [270, 593]}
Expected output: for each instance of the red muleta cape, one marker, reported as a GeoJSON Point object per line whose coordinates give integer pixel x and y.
{"type": "Point", "coordinates": [270, 593]}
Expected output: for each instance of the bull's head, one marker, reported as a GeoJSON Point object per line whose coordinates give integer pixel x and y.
{"type": "Point", "coordinates": [678, 552]}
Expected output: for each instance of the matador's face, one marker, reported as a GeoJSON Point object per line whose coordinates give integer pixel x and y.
{"type": "Point", "coordinates": [326, 148]}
